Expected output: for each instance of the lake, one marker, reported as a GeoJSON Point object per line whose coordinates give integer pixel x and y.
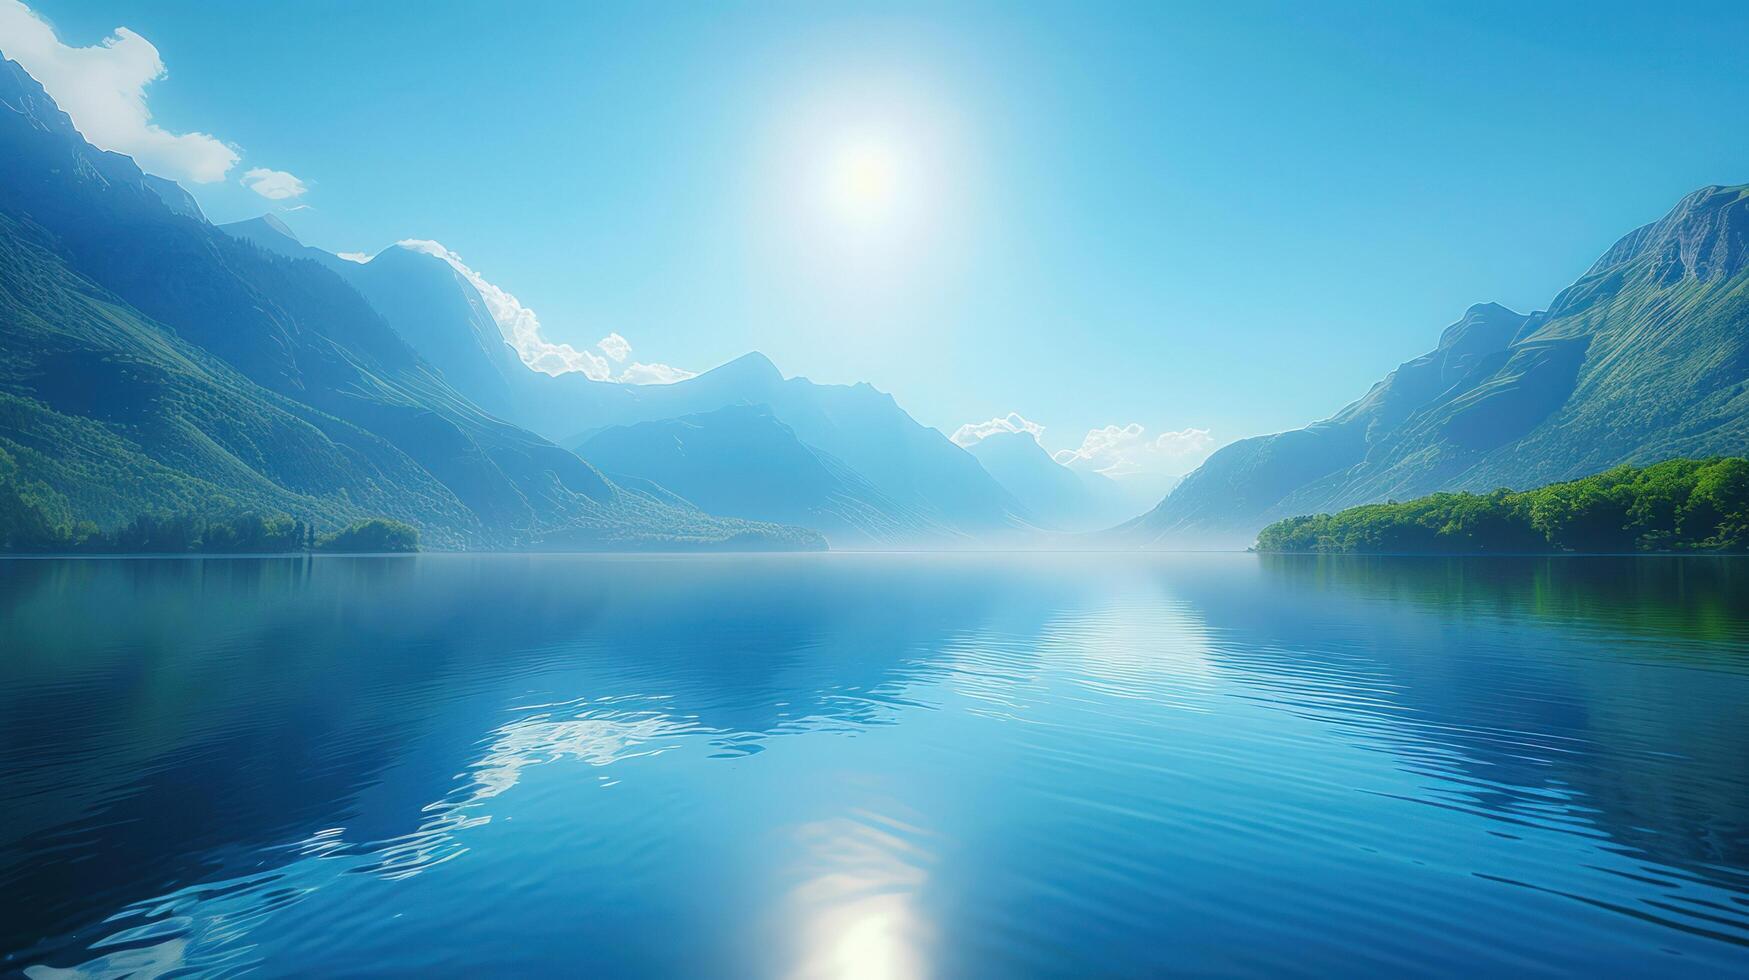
{"type": "Point", "coordinates": [874, 765]}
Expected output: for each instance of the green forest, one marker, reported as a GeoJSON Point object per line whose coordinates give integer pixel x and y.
{"type": "Point", "coordinates": [34, 521]}
{"type": "Point", "coordinates": [22, 531]}
{"type": "Point", "coordinates": [1680, 505]}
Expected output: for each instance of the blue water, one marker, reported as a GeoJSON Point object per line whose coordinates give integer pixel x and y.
{"type": "Point", "coordinates": [843, 765]}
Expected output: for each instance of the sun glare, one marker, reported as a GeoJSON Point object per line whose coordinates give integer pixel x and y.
{"type": "Point", "coordinates": [864, 181]}
{"type": "Point", "coordinates": [860, 189]}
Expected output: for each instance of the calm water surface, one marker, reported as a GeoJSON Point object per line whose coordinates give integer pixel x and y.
{"type": "Point", "coordinates": [842, 765]}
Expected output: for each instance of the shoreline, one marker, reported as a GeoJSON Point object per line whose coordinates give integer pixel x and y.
{"type": "Point", "coordinates": [112, 556]}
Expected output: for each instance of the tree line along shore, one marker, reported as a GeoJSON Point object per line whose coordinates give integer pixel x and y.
{"type": "Point", "coordinates": [1680, 505]}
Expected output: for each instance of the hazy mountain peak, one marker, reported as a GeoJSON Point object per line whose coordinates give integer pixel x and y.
{"type": "Point", "coordinates": [406, 248]}
{"type": "Point", "coordinates": [271, 234]}
{"type": "Point", "coordinates": [750, 367]}
{"type": "Point", "coordinates": [1055, 496]}
{"type": "Point", "coordinates": [406, 255]}
{"type": "Point", "coordinates": [743, 461]}
{"type": "Point", "coordinates": [1011, 441]}
{"type": "Point", "coordinates": [278, 227]}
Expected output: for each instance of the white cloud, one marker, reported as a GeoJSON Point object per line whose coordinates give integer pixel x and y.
{"type": "Point", "coordinates": [615, 346]}
{"type": "Point", "coordinates": [1184, 442]}
{"type": "Point", "coordinates": [637, 373]}
{"type": "Point", "coordinates": [974, 432]}
{"type": "Point", "coordinates": [522, 330]}
{"type": "Point", "coordinates": [518, 324]}
{"type": "Point", "coordinates": [359, 257]}
{"type": "Point", "coordinates": [275, 185]}
{"type": "Point", "coordinates": [1125, 450]}
{"type": "Point", "coordinates": [103, 89]}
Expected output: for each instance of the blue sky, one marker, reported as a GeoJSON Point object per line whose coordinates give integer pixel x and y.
{"type": "Point", "coordinates": [1232, 217]}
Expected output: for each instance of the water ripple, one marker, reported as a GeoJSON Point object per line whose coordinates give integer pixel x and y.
{"type": "Point", "coordinates": [875, 765]}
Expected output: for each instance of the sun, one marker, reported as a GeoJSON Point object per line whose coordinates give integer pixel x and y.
{"type": "Point", "coordinates": [864, 181]}
{"type": "Point", "coordinates": [862, 184]}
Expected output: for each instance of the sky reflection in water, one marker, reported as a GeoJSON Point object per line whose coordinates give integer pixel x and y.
{"type": "Point", "coordinates": [843, 765]}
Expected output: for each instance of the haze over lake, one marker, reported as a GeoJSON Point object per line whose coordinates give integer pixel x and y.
{"type": "Point", "coordinates": [840, 491]}
{"type": "Point", "coordinates": [881, 765]}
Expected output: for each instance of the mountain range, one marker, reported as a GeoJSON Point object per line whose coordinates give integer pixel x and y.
{"type": "Point", "coordinates": [1059, 498]}
{"type": "Point", "coordinates": [151, 361]}
{"type": "Point", "coordinates": [909, 483]}
{"type": "Point", "coordinates": [1644, 358]}
{"type": "Point", "coordinates": [160, 363]}
{"type": "Point", "coordinates": [705, 459]}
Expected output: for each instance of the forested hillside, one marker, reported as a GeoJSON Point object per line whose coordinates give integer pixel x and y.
{"type": "Point", "coordinates": [153, 365]}
{"type": "Point", "coordinates": [1644, 358]}
{"type": "Point", "coordinates": [1677, 505]}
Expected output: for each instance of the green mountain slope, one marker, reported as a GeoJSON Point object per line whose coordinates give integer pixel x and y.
{"type": "Point", "coordinates": [116, 416]}
{"type": "Point", "coordinates": [1676, 505]}
{"type": "Point", "coordinates": [1645, 358]}
{"type": "Point", "coordinates": [431, 307]}
{"type": "Point", "coordinates": [167, 363]}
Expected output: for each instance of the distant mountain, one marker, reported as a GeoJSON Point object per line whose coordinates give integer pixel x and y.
{"type": "Point", "coordinates": [428, 304]}
{"type": "Point", "coordinates": [740, 461]}
{"type": "Point", "coordinates": [272, 234]}
{"type": "Point", "coordinates": [443, 317]}
{"type": "Point", "coordinates": [472, 354]}
{"type": "Point", "coordinates": [1645, 358]}
{"type": "Point", "coordinates": [152, 360]}
{"type": "Point", "coordinates": [929, 484]}
{"type": "Point", "coordinates": [1057, 497]}
{"type": "Point", "coordinates": [915, 467]}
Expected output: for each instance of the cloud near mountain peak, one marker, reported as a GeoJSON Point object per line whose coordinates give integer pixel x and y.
{"type": "Point", "coordinates": [973, 433]}
{"type": "Point", "coordinates": [1120, 450]}
{"type": "Point", "coordinates": [522, 331]}
{"type": "Point", "coordinates": [103, 89]}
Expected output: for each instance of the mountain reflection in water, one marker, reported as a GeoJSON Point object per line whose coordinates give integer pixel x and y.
{"type": "Point", "coordinates": [873, 765]}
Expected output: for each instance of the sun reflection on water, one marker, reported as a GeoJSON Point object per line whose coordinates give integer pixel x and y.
{"type": "Point", "coordinates": [858, 902]}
